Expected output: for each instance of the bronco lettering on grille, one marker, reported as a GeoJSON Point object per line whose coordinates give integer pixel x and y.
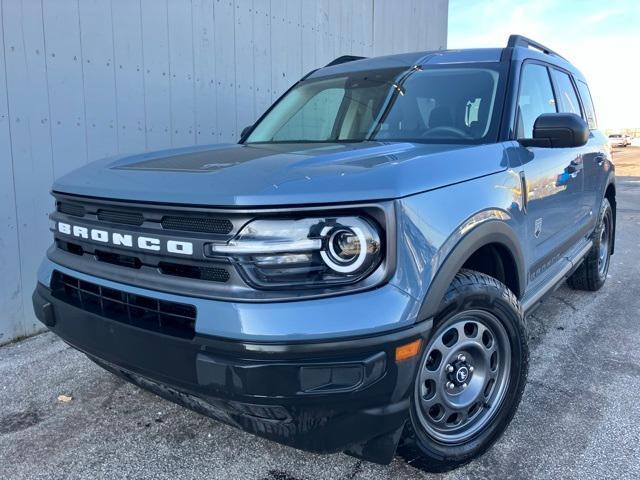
{"type": "Point", "coordinates": [125, 240]}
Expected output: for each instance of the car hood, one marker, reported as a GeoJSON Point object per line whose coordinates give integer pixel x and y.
{"type": "Point", "coordinates": [282, 174]}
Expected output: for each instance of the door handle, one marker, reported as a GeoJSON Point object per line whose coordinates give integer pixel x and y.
{"type": "Point", "coordinates": [525, 192]}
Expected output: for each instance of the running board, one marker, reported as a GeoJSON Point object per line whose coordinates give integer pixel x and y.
{"type": "Point", "coordinates": [530, 304]}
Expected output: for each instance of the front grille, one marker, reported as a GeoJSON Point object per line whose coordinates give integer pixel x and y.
{"type": "Point", "coordinates": [71, 209]}
{"type": "Point", "coordinates": [221, 226]}
{"type": "Point", "coordinates": [126, 218]}
{"type": "Point", "coordinates": [70, 247]}
{"type": "Point", "coordinates": [171, 318]}
{"type": "Point", "coordinates": [118, 259]}
{"type": "Point", "coordinates": [164, 268]}
{"type": "Point", "coordinates": [211, 274]}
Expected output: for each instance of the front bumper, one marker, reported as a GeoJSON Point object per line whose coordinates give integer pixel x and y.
{"type": "Point", "coordinates": [323, 396]}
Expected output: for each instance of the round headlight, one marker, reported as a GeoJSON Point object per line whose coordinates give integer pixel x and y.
{"type": "Point", "coordinates": [349, 245]}
{"type": "Point", "coordinates": [345, 245]}
{"type": "Point", "coordinates": [306, 252]}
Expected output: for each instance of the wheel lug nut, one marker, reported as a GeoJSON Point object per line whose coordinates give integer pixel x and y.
{"type": "Point", "coordinates": [450, 368]}
{"type": "Point", "coordinates": [464, 385]}
{"type": "Point", "coordinates": [450, 385]}
{"type": "Point", "coordinates": [462, 358]}
{"type": "Point", "coordinates": [471, 368]}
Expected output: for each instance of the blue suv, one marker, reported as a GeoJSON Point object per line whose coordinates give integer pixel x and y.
{"type": "Point", "coordinates": [354, 275]}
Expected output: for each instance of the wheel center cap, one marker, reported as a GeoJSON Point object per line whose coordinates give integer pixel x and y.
{"type": "Point", "coordinates": [462, 374]}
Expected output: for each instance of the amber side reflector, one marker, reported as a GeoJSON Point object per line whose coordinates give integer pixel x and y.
{"type": "Point", "coordinates": [408, 350]}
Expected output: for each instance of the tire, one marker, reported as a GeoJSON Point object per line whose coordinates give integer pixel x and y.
{"type": "Point", "coordinates": [474, 305]}
{"type": "Point", "coordinates": [592, 272]}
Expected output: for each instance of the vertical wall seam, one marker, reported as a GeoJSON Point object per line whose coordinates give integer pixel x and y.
{"type": "Point", "coordinates": [235, 70]}
{"type": "Point", "coordinates": [301, 26]}
{"type": "Point", "coordinates": [270, 55]}
{"type": "Point", "coordinates": [84, 93]}
{"type": "Point", "coordinates": [446, 24]}
{"type": "Point", "coordinates": [46, 74]}
{"type": "Point", "coordinates": [252, 10]}
{"type": "Point", "coordinates": [193, 78]}
{"type": "Point", "coordinates": [115, 78]}
{"type": "Point", "coordinates": [169, 75]}
{"type": "Point", "coordinates": [373, 23]}
{"type": "Point", "coordinates": [13, 173]}
{"type": "Point", "coordinates": [25, 298]}
{"type": "Point", "coordinates": [144, 79]}
{"type": "Point", "coordinates": [271, 95]}
{"type": "Point", "coordinates": [214, 69]}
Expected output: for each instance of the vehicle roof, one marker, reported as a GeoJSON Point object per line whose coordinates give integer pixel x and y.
{"type": "Point", "coordinates": [444, 57]}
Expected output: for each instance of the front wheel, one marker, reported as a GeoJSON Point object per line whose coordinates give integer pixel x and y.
{"type": "Point", "coordinates": [471, 377]}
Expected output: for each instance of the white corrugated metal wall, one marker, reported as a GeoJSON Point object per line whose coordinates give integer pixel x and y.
{"type": "Point", "coordinates": [84, 79]}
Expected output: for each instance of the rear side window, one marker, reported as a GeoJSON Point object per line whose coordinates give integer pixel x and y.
{"type": "Point", "coordinates": [535, 98]}
{"type": "Point", "coordinates": [587, 103]}
{"type": "Point", "coordinates": [567, 96]}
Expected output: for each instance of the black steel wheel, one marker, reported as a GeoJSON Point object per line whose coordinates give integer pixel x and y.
{"type": "Point", "coordinates": [592, 273]}
{"type": "Point", "coordinates": [471, 376]}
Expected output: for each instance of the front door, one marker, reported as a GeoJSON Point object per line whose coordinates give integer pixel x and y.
{"type": "Point", "coordinates": [554, 177]}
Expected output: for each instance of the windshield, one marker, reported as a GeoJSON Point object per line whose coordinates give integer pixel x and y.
{"type": "Point", "coordinates": [436, 104]}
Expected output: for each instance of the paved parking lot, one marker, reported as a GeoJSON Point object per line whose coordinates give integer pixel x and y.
{"type": "Point", "coordinates": [578, 419]}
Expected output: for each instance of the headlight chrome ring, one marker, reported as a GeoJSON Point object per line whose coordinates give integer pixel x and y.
{"type": "Point", "coordinates": [334, 260]}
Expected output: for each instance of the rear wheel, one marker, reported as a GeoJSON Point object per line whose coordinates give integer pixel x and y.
{"type": "Point", "coordinates": [592, 273]}
{"type": "Point", "coordinates": [471, 376]}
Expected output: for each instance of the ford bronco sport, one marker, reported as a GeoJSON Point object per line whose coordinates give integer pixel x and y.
{"type": "Point", "coordinates": [354, 275]}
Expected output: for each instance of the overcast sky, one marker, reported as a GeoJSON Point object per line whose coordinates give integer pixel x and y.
{"type": "Point", "coordinates": [601, 38]}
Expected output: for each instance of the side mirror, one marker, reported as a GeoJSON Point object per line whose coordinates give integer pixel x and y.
{"type": "Point", "coordinates": [245, 132]}
{"type": "Point", "coordinates": [558, 130]}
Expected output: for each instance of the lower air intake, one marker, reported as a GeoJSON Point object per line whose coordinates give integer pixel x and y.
{"type": "Point", "coordinates": [170, 318]}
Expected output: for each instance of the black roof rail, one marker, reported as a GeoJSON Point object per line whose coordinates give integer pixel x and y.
{"type": "Point", "coordinates": [343, 59]}
{"type": "Point", "coordinates": [522, 41]}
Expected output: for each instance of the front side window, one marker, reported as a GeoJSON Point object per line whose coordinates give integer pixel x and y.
{"type": "Point", "coordinates": [534, 99]}
{"type": "Point", "coordinates": [433, 104]}
{"type": "Point", "coordinates": [566, 93]}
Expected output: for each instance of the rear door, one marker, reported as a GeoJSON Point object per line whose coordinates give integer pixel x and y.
{"type": "Point", "coordinates": [554, 177]}
{"type": "Point", "coordinates": [596, 165]}
{"type": "Point", "coordinates": [587, 156]}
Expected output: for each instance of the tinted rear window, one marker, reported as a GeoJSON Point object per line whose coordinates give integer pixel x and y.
{"type": "Point", "coordinates": [566, 94]}
{"type": "Point", "coordinates": [587, 103]}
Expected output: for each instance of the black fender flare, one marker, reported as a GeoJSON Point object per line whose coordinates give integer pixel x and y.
{"type": "Point", "coordinates": [488, 232]}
